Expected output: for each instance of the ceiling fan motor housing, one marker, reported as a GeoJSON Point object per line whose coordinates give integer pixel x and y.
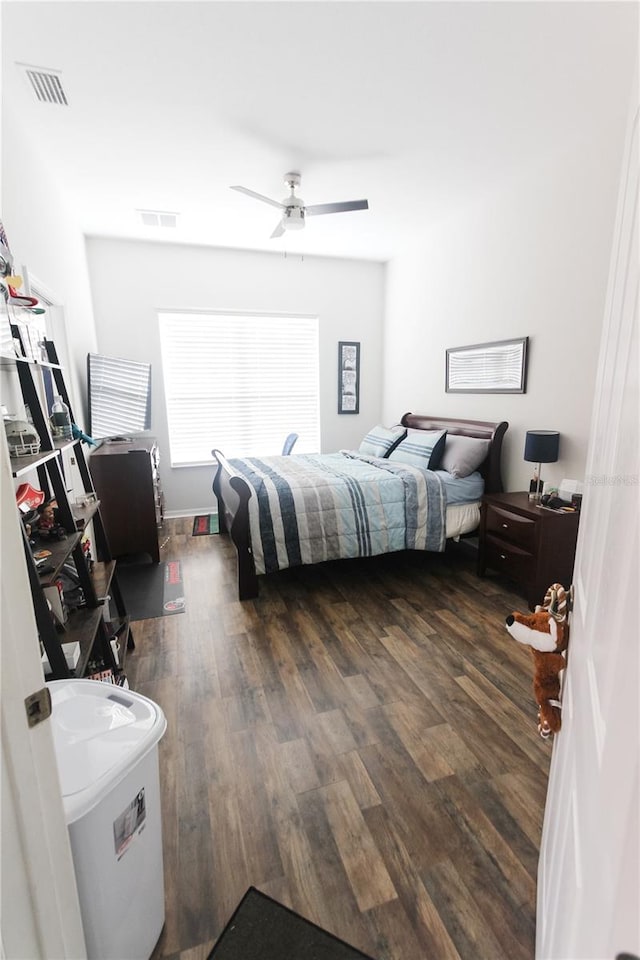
{"type": "Point", "coordinates": [292, 180]}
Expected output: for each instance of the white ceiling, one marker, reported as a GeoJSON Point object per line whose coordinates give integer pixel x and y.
{"type": "Point", "coordinates": [418, 107]}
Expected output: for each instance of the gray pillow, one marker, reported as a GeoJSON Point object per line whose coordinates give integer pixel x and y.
{"type": "Point", "coordinates": [380, 441]}
{"type": "Point", "coordinates": [463, 455]}
{"type": "Point", "coordinates": [421, 449]}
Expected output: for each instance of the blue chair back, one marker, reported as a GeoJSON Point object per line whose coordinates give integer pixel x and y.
{"type": "Point", "coordinates": [289, 444]}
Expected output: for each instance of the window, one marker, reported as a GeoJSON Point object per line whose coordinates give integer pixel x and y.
{"type": "Point", "coordinates": [119, 396]}
{"type": "Point", "coordinates": [240, 383]}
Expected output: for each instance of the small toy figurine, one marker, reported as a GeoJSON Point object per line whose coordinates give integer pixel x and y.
{"type": "Point", "coordinates": [47, 526]}
{"type": "Point", "coordinates": [86, 549]}
{"type": "Point", "coordinates": [547, 633]}
{"type": "Point", "coordinates": [29, 519]}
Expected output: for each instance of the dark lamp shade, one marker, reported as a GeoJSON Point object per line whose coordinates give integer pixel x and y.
{"type": "Point", "coordinates": [541, 446]}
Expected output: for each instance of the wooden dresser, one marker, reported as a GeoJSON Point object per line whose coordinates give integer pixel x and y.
{"type": "Point", "coordinates": [126, 479]}
{"type": "Point", "coordinates": [531, 545]}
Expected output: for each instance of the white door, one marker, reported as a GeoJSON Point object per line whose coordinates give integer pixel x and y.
{"type": "Point", "coordinates": [40, 914]}
{"type": "Point", "coordinates": [588, 878]}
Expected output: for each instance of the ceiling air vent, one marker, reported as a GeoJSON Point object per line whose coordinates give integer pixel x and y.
{"type": "Point", "coordinates": [158, 218]}
{"type": "Point", "coordinates": [45, 83]}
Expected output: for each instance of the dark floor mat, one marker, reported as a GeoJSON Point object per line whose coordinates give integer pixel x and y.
{"type": "Point", "coordinates": [151, 589]}
{"type": "Point", "coordinates": [263, 929]}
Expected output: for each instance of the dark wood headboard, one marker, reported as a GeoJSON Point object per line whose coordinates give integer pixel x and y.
{"type": "Point", "coordinates": [484, 429]}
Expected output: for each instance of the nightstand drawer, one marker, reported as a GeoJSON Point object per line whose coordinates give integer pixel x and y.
{"type": "Point", "coordinates": [511, 560]}
{"type": "Point", "coordinates": [512, 527]}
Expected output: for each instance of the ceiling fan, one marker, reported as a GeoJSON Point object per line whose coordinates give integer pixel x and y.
{"type": "Point", "coordinates": [294, 210]}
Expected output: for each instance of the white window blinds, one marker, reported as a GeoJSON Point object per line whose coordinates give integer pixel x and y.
{"type": "Point", "coordinates": [119, 396]}
{"type": "Point", "coordinates": [240, 383]}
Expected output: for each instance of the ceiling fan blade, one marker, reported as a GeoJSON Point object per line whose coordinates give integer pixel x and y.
{"type": "Point", "coordinates": [259, 196]}
{"type": "Point", "coordinates": [345, 207]}
{"type": "Point", "coordinates": [279, 230]}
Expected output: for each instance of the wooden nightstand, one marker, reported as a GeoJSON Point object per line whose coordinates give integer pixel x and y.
{"type": "Point", "coordinates": [529, 544]}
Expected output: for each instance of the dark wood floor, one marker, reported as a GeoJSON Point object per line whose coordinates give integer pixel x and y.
{"type": "Point", "coordinates": [359, 743]}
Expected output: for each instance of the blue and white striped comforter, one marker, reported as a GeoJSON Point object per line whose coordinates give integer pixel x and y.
{"type": "Point", "coordinates": [306, 509]}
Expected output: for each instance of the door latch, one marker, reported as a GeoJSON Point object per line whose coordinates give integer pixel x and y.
{"type": "Point", "coordinates": [38, 706]}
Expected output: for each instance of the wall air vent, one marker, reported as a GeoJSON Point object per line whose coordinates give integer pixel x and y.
{"type": "Point", "coordinates": [158, 218]}
{"type": "Point", "coordinates": [45, 83]}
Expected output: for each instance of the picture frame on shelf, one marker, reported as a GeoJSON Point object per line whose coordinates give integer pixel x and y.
{"type": "Point", "coordinates": [26, 338]}
{"type": "Point", "coordinates": [18, 335]}
{"type": "Point", "coordinates": [35, 340]}
{"type": "Point", "coordinates": [348, 376]}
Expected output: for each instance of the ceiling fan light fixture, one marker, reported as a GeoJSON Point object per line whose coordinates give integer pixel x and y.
{"type": "Point", "coordinates": [293, 218]}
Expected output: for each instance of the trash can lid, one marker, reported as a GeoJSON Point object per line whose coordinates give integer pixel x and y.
{"type": "Point", "coordinates": [100, 732]}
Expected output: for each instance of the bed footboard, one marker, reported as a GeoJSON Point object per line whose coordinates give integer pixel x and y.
{"type": "Point", "coordinates": [233, 493]}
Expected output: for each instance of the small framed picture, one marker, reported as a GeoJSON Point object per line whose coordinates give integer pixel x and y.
{"type": "Point", "coordinates": [348, 376]}
{"type": "Point", "coordinates": [20, 341]}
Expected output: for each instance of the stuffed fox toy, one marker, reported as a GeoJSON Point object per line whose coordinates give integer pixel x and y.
{"type": "Point", "coordinates": [547, 633]}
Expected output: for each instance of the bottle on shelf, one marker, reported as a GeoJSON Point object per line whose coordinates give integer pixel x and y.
{"type": "Point", "coordinates": [61, 419]}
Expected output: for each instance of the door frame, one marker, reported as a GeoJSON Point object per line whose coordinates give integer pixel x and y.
{"type": "Point", "coordinates": [40, 914]}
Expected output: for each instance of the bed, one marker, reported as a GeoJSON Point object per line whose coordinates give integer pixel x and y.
{"type": "Point", "coordinates": [288, 511]}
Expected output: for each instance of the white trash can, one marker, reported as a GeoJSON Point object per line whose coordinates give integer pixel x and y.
{"type": "Point", "coordinates": [106, 740]}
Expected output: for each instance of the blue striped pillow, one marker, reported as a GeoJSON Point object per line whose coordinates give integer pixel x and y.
{"type": "Point", "coordinates": [380, 441]}
{"type": "Point", "coordinates": [421, 449]}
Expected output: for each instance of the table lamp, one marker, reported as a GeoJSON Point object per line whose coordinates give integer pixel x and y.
{"type": "Point", "coordinates": [541, 446]}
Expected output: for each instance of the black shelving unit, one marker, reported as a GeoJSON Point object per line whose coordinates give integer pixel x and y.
{"type": "Point", "coordinates": [90, 625]}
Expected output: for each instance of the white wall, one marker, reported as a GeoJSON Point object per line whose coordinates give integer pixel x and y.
{"type": "Point", "coordinates": [131, 280]}
{"type": "Point", "coordinates": [45, 237]}
{"type": "Point", "coordinates": [529, 260]}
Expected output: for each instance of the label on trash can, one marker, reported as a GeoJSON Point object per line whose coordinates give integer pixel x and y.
{"type": "Point", "coordinates": [129, 824]}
